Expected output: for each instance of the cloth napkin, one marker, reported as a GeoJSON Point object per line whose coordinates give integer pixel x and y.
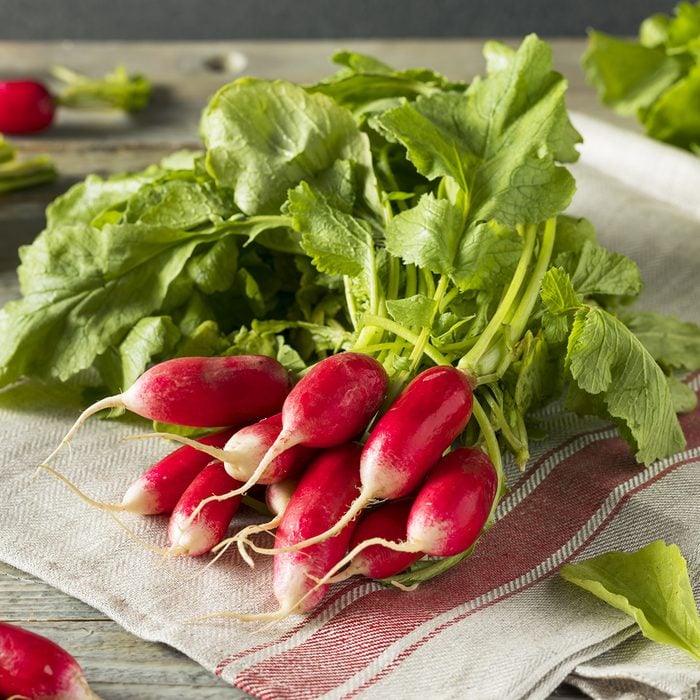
{"type": "Point", "coordinates": [501, 625]}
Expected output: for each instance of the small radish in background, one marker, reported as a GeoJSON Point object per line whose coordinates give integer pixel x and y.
{"type": "Point", "coordinates": [407, 441]}
{"type": "Point", "coordinates": [193, 535]}
{"type": "Point", "coordinates": [207, 392]}
{"type": "Point", "coordinates": [26, 106]}
{"type": "Point", "coordinates": [447, 515]}
{"type": "Point", "coordinates": [34, 667]}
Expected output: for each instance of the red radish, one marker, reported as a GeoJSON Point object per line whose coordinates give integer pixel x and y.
{"type": "Point", "coordinates": [407, 440]}
{"type": "Point", "coordinates": [448, 514]}
{"type": "Point", "coordinates": [245, 449]}
{"type": "Point", "coordinates": [26, 106]}
{"type": "Point", "coordinates": [248, 446]}
{"type": "Point", "coordinates": [195, 536]}
{"type": "Point", "coordinates": [388, 521]}
{"type": "Point", "coordinates": [32, 666]}
{"type": "Point", "coordinates": [205, 392]}
{"type": "Point", "coordinates": [324, 492]}
{"type": "Point", "coordinates": [159, 489]}
{"type": "Point", "coordinates": [330, 405]}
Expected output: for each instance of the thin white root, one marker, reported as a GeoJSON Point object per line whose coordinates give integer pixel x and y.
{"type": "Point", "coordinates": [401, 587]}
{"type": "Point", "coordinates": [350, 515]}
{"type": "Point", "coordinates": [242, 538]}
{"type": "Point", "coordinates": [214, 452]}
{"type": "Point", "coordinates": [101, 505]}
{"type": "Point", "coordinates": [106, 507]}
{"type": "Point", "coordinates": [280, 614]}
{"type": "Point", "coordinates": [329, 577]}
{"type": "Point", "coordinates": [108, 402]}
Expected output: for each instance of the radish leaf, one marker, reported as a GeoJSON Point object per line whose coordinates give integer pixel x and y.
{"type": "Point", "coordinates": [651, 585]}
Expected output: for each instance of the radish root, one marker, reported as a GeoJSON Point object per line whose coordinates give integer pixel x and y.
{"type": "Point", "coordinates": [355, 508]}
{"type": "Point", "coordinates": [108, 402]}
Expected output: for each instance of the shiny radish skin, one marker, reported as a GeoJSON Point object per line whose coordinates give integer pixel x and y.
{"type": "Point", "coordinates": [447, 515]}
{"type": "Point", "coordinates": [26, 106]}
{"type": "Point", "coordinates": [412, 435]}
{"type": "Point", "coordinates": [323, 494]}
{"type": "Point", "coordinates": [335, 401]}
{"type": "Point", "coordinates": [34, 667]}
{"type": "Point", "coordinates": [193, 537]}
{"type": "Point", "coordinates": [209, 392]}
{"type": "Point", "coordinates": [248, 446]}
{"type": "Point", "coordinates": [453, 505]}
{"type": "Point", "coordinates": [387, 521]}
{"type": "Point", "coordinates": [204, 392]}
{"type": "Point", "coordinates": [158, 490]}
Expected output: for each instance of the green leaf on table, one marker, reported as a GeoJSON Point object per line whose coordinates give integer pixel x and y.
{"type": "Point", "coordinates": [674, 344]}
{"type": "Point", "coordinates": [605, 358]}
{"type": "Point", "coordinates": [650, 585]}
{"type": "Point", "coordinates": [627, 75]}
{"type": "Point", "coordinates": [499, 140]}
{"type": "Point", "coordinates": [264, 138]}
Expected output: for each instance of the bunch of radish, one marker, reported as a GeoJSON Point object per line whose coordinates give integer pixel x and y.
{"type": "Point", "coordinates": [328, 451]}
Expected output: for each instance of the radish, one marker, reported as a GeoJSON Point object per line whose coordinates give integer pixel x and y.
{"type": "Point", "coordinates": [330, 405]}
{"type": "Point", "coordinates": [159, 489]}
{"type": "Point", "coordinates": [26, 106]}
{"type": "Point", "coordinates": [194, 536]}
{"type": "Point", "coordinates": [407, 440]}
{"type": "Point", "coordinates": [325, 491]}
{"type": "Point", "coordinates": [248, 446]}
{"type": "Point", "coordinates": [388, 521]}
{"type": "Point", "coordinates": [205, 392]}
{"type": "Point", "coordinates": [244, 451]}
{"type": "Point", "coordinates": [32, 666]}
{"type": "Point", "coordinates": [448, 513]}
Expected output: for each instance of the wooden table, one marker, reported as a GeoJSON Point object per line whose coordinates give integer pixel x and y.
{"type": "Point", "coordinates": [119, 665]}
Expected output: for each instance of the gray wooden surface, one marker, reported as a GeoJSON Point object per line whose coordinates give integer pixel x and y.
{"type": "Point", "coordinates": [118, 665]}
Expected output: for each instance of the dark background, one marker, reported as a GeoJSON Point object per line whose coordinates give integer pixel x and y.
{"type": "Point", "coordinates": [301, 19]}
